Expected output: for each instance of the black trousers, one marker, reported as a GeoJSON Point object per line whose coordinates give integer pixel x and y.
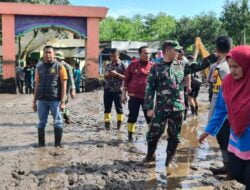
{"type": "Point", "coordinates": [28, 87]}
{"type": "Point", "coordinates": [186, 98]}
{"type": "Point", "coordinates": [210, 92]}
{"type": "Point", "coordinates": [109, 98]}
{"type": "Point", "coordinates": [223, 135]}
{"type": "Point", "coordinates": [134, 105]}
{"type": "Point", "coordinates": [195, 92]}
{"type": "Point", "coordinates": [20, 84]}
{"type": "Point", "coordinates": [239, 169]}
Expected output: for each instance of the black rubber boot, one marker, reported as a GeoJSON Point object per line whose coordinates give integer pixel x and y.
{"type": "Point", "coordinates": [107, 125]}
{"type": "Point", "coordinates": [196, 110]}
{"type": "Point", "coordinates": [150, 157]}
{"type": "Point", "coordinates": [192, 110]}
{"type": "Point", "coordinates": [41, 137]}
{"type": "Point", "coordinates": [171, 150]}
{"type": "Point", "coordinates": [67, 121]}
{"type": "Point", "coordinates": [185, 114]}
{"type": "Point", "coordinates": [228, 174]}
{"type": "Point", "coordinates": [119, 124]}
{"type": "Point", "coordinates": [58, 136]}
{"type": "Point", "coordinates": [130, 137]}
{"type": "Point", "coordinates": [66, 118]}
{"type": "Point", "coordinates": [224, 168]}
{"type": "Point", "coordinates": [219, 171]}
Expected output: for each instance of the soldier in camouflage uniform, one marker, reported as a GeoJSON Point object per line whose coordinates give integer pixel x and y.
{"type": "Point", "coordinates": [71, 89]}
{"type": "Point", "coordinates": [166, 81]}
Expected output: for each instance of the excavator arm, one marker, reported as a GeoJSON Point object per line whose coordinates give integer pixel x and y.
{"type": "Point", "coordinates": [199, 48]}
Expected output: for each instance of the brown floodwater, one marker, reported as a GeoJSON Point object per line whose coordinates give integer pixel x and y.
{"type": "Point", "coordinates": [179, 175]}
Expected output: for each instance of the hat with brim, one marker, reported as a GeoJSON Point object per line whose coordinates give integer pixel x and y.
{"type": "Point", "coordinates": [173, 44]}
{"type": "Point", "coordinates": [59, 55]}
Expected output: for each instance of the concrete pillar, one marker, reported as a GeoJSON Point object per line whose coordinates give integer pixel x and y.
{"type": "Point", "coordinates": [8, 46]}
{"type": "Point", "coordinates": [92, 48]}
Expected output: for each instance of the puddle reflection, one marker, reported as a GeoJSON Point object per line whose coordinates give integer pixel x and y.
{"type": "Point", "coordinates": [189, 152]}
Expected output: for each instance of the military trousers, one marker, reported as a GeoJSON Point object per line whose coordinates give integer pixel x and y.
{"type": "Point", "coordinates": [186, 98]}
{"type": "Point", "coordinates": [66, 112]}
{"type": "Point", "coordinates": [157, 126]}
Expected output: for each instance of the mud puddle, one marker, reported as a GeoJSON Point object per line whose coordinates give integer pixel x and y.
{"type": "Point", "coordinates": [181, 174]}
{"type": "Point", "coordinates": [93, 158]}
{"type": "Point", "coordinates": [190, 167]}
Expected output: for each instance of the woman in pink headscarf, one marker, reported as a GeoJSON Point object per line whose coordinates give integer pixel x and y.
{"type": "Point", "coordinates": [234, 102]}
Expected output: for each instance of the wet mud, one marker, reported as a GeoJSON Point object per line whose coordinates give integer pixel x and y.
{"type": "Point", "coordinates": [93, 158]}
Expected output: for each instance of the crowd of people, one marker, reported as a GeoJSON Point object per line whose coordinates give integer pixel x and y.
{"type": "Point", "coordinates": [165, 91]}
{"type": "Point", "coordinates": [25, 74]}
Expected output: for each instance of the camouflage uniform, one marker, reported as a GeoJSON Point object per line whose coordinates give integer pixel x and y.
{"type": "Point", "coordinates": [165, 79]}
{"type": "Point", "coordinates": [70, 81]}
{"type": "Point", "coordinates": [70, 87]}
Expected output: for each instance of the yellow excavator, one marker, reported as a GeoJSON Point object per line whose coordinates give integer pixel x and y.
{"type": "Point", "coordinates": [200, 48]}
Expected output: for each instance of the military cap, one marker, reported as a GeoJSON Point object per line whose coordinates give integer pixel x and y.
{"type": "Point", "coordinates": [59, 55]}
{"type": "Point", "coordinates": [173, 44]}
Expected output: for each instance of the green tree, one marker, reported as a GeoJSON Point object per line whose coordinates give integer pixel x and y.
{"type": "Point", "coordinates": [159, 27]}
{"type": "Point", "coordinates": [117, 29]}
{"type": "Point", "coordinates": [137, 28]}
{"type": "Point", "coordinates": [185, 32]}
{"type": "Point", "coordinates": [236, 20]}
{"type": "Point", "coordinates": [107, 29]}
{"type": "Point", "coordinates": [206, 26]}
{"type": "Point", "coordinates": [123, 29]}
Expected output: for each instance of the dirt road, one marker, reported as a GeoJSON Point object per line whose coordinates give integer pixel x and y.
{"type": "Point", "coordinates": [93, 158]}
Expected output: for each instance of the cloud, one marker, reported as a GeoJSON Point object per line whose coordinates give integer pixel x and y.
{"type": "Point", "coordinates": [128, 11]}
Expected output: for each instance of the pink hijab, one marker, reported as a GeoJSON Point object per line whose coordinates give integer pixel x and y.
{"type": "Point", "coordinates": [237, 92]}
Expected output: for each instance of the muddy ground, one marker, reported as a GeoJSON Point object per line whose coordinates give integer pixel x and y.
{"type": "Point", "coordinates": [93, 158]}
